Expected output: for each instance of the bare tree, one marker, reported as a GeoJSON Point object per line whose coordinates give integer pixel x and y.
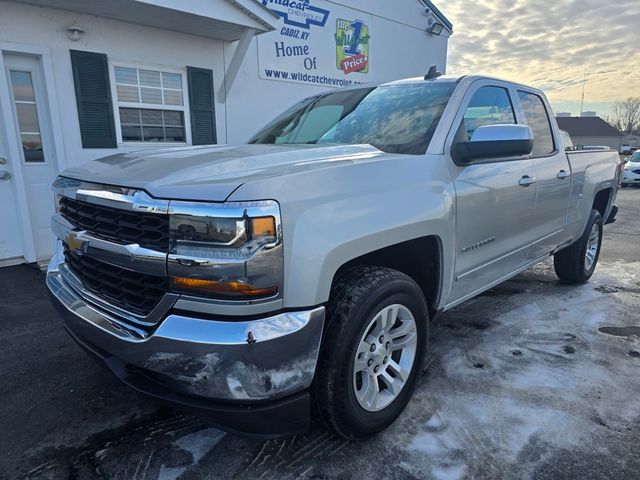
{"type": "Point", "coordinates": [626, 115]}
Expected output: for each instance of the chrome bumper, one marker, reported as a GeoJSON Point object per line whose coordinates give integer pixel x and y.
{"type": "Point", "coordinates": [242, 361]}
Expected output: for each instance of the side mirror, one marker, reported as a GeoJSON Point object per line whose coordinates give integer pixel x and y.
{"type": "Point", "coordinates": [494, 141]}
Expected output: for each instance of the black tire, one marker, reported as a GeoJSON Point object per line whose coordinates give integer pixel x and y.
{"type": "Point", "coordinates": [569, 263]}
{"type": "Point", "coordinates": [356, 298]}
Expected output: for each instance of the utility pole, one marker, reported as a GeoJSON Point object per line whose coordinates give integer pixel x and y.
{"type": "Point", "coordinates": [584, 82]}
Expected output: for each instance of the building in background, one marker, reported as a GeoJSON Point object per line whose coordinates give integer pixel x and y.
{"type": "Point", "coordinates": [591, 131]}
{"type": "Point", "coordinates": [82, 79]}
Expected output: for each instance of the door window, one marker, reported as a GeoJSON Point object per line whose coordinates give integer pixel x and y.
{"type": "Point", "coordinates": [488, 106]}
{"type": "Point", "coordinates": [27, 113]}
{"type": "Point", "coordinates": [538, 120]}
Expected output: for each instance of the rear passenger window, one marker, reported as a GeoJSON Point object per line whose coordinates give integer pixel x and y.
{"type": "Point", "coordinates": [488, 106]}
{"type": "Point", "coordinates": [538, 119]}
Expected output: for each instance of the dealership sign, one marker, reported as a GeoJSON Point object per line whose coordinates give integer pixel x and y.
{"type": "Point", "coordinates": [299, 14]}
{"type": "Point", "coordinates": [352, 46]}
{"type": "Point", "coordinates": [316, 43]}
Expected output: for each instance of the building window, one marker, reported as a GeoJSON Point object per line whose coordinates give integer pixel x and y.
{"type": "Point", "coordinates": [143, 125]}
{"type": "Point", "coordinates": [150, 105]}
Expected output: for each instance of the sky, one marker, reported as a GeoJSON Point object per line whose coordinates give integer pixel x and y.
{"type": "Point", "coordinates": [547, 43]}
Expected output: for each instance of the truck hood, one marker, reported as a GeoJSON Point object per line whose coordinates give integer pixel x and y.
{"type": "Point", "coordinates": [212, 173]}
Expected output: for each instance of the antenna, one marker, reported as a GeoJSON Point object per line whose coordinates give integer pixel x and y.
{"type": "Point", "coordinates": [584, 82]}
{"type": "Point", "coordinates": [433, 73]}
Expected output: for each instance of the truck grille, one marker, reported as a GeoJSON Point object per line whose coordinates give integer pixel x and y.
{"type": "Point", "coordinates": [134, 292]}
{"type": "Point", "coordinates": [149, 230]}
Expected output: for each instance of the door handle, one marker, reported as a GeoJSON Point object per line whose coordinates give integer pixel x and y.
{"type": "Point", "coordinates": [562, 174]}
{"type": "Point", "coordinates": [526, 181]}
{"type": "Point", "coordinates": [4, 175]}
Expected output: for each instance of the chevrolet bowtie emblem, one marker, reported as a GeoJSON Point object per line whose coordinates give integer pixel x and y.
{"type": "Point", "coordinates": [74, 243]}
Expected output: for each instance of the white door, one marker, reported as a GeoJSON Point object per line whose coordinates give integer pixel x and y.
{"type": "Point", "coordinates": [36, 161]}
{"type": "Point", "coordinates": [10, 237]}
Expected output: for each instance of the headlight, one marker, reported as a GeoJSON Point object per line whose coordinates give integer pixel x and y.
{"type": "Point", "coordinates": [202, 233]}
{"type": "Point", "coordinates": [227, 251]}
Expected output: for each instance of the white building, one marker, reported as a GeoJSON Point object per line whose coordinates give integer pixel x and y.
{"type": "Point", "coordinates": [83, 79]}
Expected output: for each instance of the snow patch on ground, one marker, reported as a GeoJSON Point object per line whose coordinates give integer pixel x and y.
{"type": "Point", "coordinates": [198, 444]}
{"type": "Point", "coordinates": [540, 378]}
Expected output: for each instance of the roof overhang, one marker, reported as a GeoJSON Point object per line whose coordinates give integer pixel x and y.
{"type": "Point", "coordinates": [225, 20]}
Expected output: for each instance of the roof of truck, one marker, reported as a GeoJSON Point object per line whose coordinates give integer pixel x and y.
{"type": "Point", "coordinates": [468, 79]}
{"type": "Point", "coordinates": [458, 79]}
{"type": "Point", "coordinates": [442, 78]}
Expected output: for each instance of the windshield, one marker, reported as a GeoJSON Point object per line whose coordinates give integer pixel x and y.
{"type": "Point", "coordinates": [394, 119]}
{"type": "Point", "coordinates": [635, 157]}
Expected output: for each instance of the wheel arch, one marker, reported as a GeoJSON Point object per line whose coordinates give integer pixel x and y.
{"type": "Point", "coordinates": [602, 201]}
{"type": "Point", "coordinates": [420, 258]}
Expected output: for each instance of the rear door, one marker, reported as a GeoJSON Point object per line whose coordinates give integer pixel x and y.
{"type": "Point", "coordinates": [494, 197]}
{"type": "Point", "coordinates": [552, 173]}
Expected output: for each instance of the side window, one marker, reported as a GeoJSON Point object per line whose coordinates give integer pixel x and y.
{"type": "Point", "coordinates": [538, 120]}
{"type": "Point", "coordinates": [488, 106]}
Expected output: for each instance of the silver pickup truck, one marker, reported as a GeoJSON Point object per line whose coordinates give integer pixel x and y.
{"type": "Point", "coordinates": [255, 284]}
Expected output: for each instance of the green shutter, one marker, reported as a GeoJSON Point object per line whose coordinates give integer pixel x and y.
{"type": "Point", "coordinates": [201, 104]}
{"type": "Point", "coordinates": [93, 96]}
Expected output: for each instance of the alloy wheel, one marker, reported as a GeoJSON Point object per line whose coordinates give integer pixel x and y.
{"type": "Point", "coordinates": [385, 357]}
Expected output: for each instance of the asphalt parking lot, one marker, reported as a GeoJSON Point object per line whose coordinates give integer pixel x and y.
{"type": "Point", "coordinates": [533, 379]}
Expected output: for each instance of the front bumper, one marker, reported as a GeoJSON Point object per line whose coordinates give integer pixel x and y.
{"type": "Point", "coordinates": [246, 376]}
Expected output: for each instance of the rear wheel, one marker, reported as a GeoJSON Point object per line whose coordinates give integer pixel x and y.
{"type": "Point", "coordinates": [373, 350]}
{"type": "Point", "coordinates": [576, 263]}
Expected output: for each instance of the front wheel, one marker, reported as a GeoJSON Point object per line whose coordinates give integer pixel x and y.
{"type": "Point", "coordinates": [577, 262]}
{"type": "Point", "coordinates": [373, 350]}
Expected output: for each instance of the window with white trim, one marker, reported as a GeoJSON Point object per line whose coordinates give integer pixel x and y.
{"type": "Point", "coordinates": [151, 105]}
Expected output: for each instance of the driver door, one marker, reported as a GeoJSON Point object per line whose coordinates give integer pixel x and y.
{"type": "Point", "coordinates": [495, 198]}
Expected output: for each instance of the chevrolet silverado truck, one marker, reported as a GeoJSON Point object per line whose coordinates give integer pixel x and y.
{"type": "Point", "coordinates": [256, 284]}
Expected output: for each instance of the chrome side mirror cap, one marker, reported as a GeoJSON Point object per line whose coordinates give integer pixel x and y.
{"type": "Point", "coordinates": [491, 142]}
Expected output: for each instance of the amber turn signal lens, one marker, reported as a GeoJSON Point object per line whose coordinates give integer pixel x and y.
{"type": "Point", "coordinates": [263, 227]}
{"type": "Point", "coordinates": [236, 290]}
